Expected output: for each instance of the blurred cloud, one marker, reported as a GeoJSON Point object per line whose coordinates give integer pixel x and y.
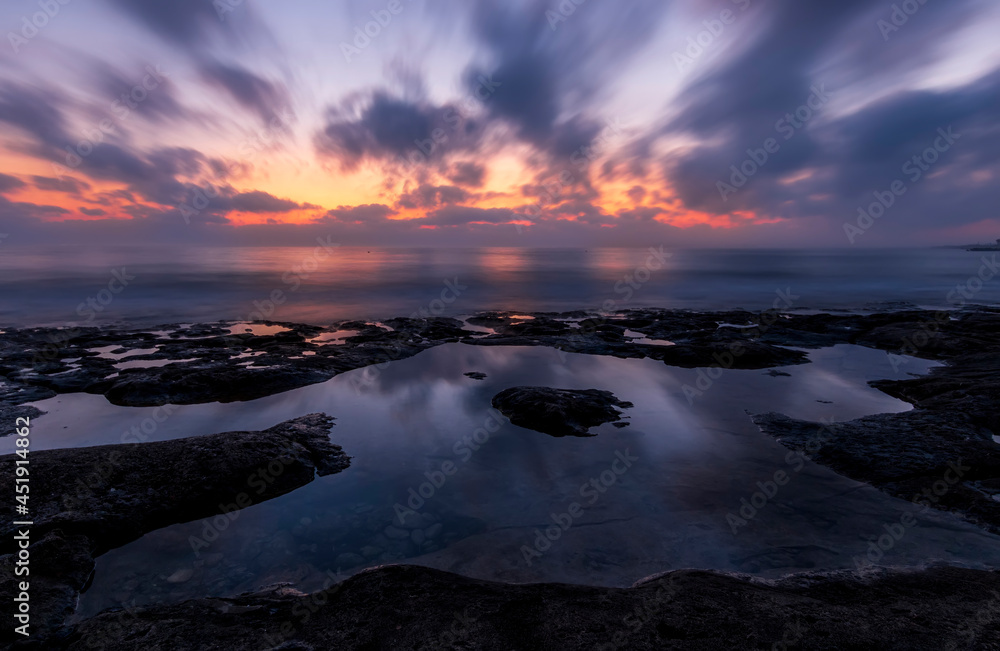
{"type": "Point", "coordinates": [486, 121]}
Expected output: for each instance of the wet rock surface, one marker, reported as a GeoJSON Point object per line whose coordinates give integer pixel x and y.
{"type": "Point", "coordinates": [85, 501]}
{"type": "Point", "coordinates": [943, 455]}
{"type": "Point", "coordinates": [559, 412]}
{"type": "Point", "coordinates": [222, 363]}
{"type": "Point", "coordinates": [405, 607]}
{"type": "Point", "coordinates": [952, 431]}
{"type": "Point", "coordinates": [939, 460]}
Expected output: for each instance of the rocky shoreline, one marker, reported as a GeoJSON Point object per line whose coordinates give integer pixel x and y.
{"type": "Point", "coordinates": [407, 607]}
{"type": "Point", "coordinates": [949, 436]}
{"type": "Point", "coordinates": [85, 501]}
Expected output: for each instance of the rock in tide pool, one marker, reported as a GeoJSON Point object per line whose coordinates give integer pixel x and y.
{"type": "Point", "coordinates": [559, 412]}
{"type": "Point", "coordinates": [144, 487]}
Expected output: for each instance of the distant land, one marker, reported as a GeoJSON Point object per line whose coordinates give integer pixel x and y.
{"type": "Point", "coordinates": [984, 247]}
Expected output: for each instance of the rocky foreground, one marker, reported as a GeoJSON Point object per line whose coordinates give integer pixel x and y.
{"type": "Point", "coordinates": [945, 446]}
{"type": "Point", "coordinates": [405, 607]}
{"type": "Point", "coordinates": [85, 501]}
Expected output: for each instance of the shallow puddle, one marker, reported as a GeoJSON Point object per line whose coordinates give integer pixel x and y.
{"type": "Point", "coordinates": [521, 506]}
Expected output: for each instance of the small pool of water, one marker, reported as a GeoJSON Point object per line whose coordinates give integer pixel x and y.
{"type": "Point", "coordinates": [107, 352]}
{"type": "Point", "coordinates": [666, 485]}
{"type": "Point", "coordinates": [336, 338]}
{"type": "Point", "coordinates": [257, 329]}
{"type": "Point", "coordinates": [151, 363]}
{"type": "Point", "coordinates": [639, 338]}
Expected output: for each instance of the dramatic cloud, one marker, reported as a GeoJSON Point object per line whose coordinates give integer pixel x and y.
{"type": "Point", "coordinates": [262, 202]}
{"type": "Point", "coordinates": [67, 184]}
{"type": "Point", "coordinates": [515, 122]}
{"type": "Point", "coordinates": [8, 183]}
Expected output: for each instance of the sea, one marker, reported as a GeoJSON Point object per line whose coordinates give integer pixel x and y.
{"type": "Point", "coordinates": [326, 283]}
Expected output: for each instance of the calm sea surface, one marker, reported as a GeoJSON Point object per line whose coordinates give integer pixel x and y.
{"type": "Point", "coordinates": [52, 285]}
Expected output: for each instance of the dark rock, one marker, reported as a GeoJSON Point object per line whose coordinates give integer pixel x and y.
{"type": "Point", "coordinates": [9, 415]}
{"type": "Point", "coordinates": [60, 567]}
{"type": "Point", "coordinates": [905, 455]}
{"type": "Point", "coordinates": [559, 412]}
{"type": "Point", "coordinates": [405, 607]}
{"type": "Point", "coordinates": [85, 501]}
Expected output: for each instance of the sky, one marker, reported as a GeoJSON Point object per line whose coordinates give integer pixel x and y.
{"type": "Point", "coordinates": [534, 123]}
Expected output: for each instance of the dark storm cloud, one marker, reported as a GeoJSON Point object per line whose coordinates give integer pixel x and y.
{"type": "Point", "coordinates": [20, 212]}
{"type": "Point", "coordinates": [466, 173]}
{"type": "Point", "coordinates": [158, 104]}
{"type": "Point", "coordinates": [461, 215]}
{"type": "Point", "coordinates": [8, 183]}
{"type": "Point", "coordinates": [539, 82]}
{"type": "Point", "coordinates": [368, 213]}
{"type": "Point", "coordinates": [384, 127]}
{"type": "Point", "coordinates": [262, 202]}
{"type": "Point", "coordinates": [206, 29]}
{"type": "Point", "coordinates": [35, 112]}
{"type": "Point", "coordinates": [550, 72]}
{"type": "Point", "coordinates": [66, 184]}
{"type": "Point", "coordinates": [267, 99]}
{"type": "Point", "coordinates": [430, 196]}
{"type": "Point", "coordinates": [737, 105]}
{"type": "Point", "coordinates": [183, 22]}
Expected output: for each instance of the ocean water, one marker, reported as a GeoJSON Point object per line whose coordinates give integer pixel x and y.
{"type": "Point", "coordinates": [316, 284]}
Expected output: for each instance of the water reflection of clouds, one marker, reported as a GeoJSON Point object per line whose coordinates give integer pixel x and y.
{"type": "Point", "coordinates": [668, 511]}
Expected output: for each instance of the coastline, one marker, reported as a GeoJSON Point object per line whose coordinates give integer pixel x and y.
{"type": "Point", "coordinates": [953, 416]}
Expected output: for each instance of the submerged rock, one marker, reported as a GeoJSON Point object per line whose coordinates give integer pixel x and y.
{"type": "Point", "coordinates": [559, 412]}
